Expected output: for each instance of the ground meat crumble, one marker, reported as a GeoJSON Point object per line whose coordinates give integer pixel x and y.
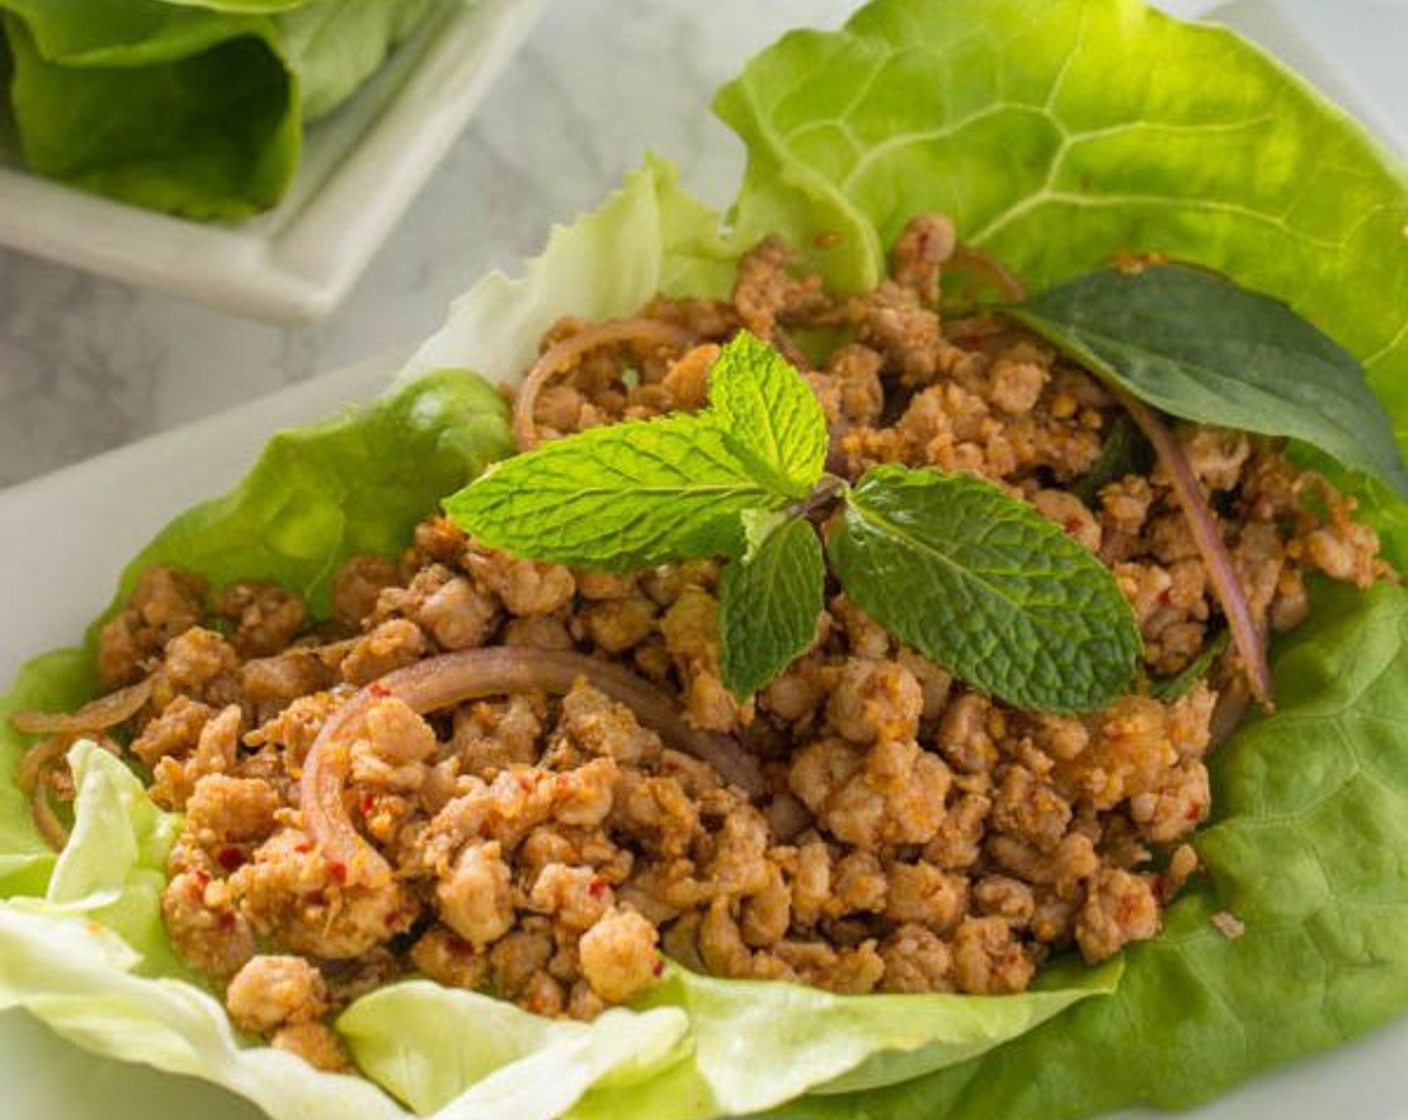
{"type": "Point", "coordinates": [915, 836]}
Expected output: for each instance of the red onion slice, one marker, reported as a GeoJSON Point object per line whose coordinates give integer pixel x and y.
{"type": "Point", "coordinates": [561, 355]}
{"type": "Point", "coordinates": [1247, 635]}
{"type": "Point", "coordinates": [453, 678]}
{"type": "Point", "coordinates": [103, 713]}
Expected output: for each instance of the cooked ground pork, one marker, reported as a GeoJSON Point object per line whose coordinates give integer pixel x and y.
{"type": "Point", "coordinates": [914, 835]}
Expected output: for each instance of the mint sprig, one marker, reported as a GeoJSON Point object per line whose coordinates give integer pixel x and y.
{"type": "Point", "coordinates": [953, 566]}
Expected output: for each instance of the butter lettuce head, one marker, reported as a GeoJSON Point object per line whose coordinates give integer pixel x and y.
{"type": "Point", "coordinates": [196, 107]}
{"type": "Point", "coordinates": [1058, 134]}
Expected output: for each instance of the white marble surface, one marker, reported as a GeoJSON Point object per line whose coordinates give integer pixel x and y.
{"type": "Point", "coordinates": [87, 364]}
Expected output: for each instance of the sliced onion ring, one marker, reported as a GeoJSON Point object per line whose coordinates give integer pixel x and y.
{"type": "Point", "coordinates": [46, 820]}
{"type": "Point", "coordinates": [1002, 277]}
{"type": "Point", "coordinates": [452, 678]}
{"type": "Point", "coordinates": [562, 355]}
{"type": "Point", "coordinates": [104, 712]}
{"type": "Point", "coordinates": [1248, 635]}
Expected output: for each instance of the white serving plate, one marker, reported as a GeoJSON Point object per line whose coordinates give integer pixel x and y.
{"type": "Point", "coordinates": [66, 535]}
{"type": "Point", "coordinates": [361, 168]}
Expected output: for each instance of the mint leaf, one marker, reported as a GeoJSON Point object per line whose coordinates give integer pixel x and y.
{"type": "Point", "coordinates": [627, 496]}
{"type": "Point", "coordinates": [981, 583]}
{"type": "Point", "coordinates": [1198, 346]}
{"type": "Point", "coordinates": [770, 414]}
{"type": "Point", "coordinates": [769, 601]}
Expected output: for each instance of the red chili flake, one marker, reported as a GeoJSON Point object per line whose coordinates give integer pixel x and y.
{"type": "Point", "coordinates": [379, 690]}
{"type": "Point", "coordinates": [1159, 885]}
{"type": "Point", "coordinates": [227, 920]}
{"type": "Point", "coordinates": [1194, 812]}
{"type": "Point", "coordinates": [368, 804]}
{"type": "Point", "coordinates": [338, 870]}
{"type": "Point", "coordinates": [303, 847]}
{"type": "Point", "coordinates": [597, 888]}
{"type": "Point", "coordinates": [1165, 596]}
{"type": "Point", "coordinates": [1072, 526]}
{"type": "Point", "coordinates": [230, 858]}
{"type": "Point", "coordinates": [659, 967]}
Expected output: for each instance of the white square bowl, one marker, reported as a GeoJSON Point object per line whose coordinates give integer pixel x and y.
{"type": "Point", "coordinates": [360, 169]}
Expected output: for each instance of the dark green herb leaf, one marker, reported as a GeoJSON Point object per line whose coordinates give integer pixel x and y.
{"type": "Point", "coordinates": [621, 497]}
{"type": "Point", "coordinates": [770, 414]}
{"type": "Point", "coordinates": [1181, 683]}
{"type": "Point", "coordinates": [1200, 347]}
{"type": "Point", "coordinates": [769, 601]}
{"type": "Point", "coordinates": [981, 583]}
{"type": "Point", "coordinates": [1124, 452]}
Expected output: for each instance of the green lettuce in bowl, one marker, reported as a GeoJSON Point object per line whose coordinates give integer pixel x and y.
{"type": "Point", "coordinates": [196, 107]}
{"type": "Point", "coordinates": [1059, 135]}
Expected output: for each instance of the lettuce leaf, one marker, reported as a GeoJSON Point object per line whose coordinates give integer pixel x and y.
{"type": "Point", "coordinates": [193, 109]}
{"type": "Point", "coordinates": [1061, 135]}
{"type": "Point", "coordinates": [1308, 852]}
{"type": "Point", "coordinates": [354, 484]}
{"type": "Point", "coordinates": [90, 958]}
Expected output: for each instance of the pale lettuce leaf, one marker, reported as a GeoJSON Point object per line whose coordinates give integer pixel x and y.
{"type": "Point", "coordinates": [472, 1055]}
{"type": "Point", "coordinates": [757, 1044]}
{"type": "Point", "coordinates": [90, 957]}
{"type": "Point", "coordinates": [648, 236]}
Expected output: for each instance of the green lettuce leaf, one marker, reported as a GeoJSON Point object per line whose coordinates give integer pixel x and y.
{"type": "Point", "coordinates": [350, 485]}
{"type": "Point", "coordinates": [1307, 852]}
{"type": "Point", "coordinates": [191, 108]}
{"type": "Point", "coordinates": [1060, 135]}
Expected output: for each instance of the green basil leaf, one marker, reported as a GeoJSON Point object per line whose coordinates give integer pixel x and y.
{"type": "Point", "coordinates": [1198, 346]}
{"type": "Point", "coordinates": [981, 583]}
{"type": "Point", "coordinates": [621, 497]}
{"type": "Point", "coordinates": [1124, 452]}
{"type": "Point", "coordinates": [770, 414]}
{"type": "Point", "coordinates": [769, 601]}
{"type": "Point", "coordinates": [1169, 689]}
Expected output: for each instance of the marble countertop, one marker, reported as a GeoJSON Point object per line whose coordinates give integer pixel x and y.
{"type": "Point", "coordinates": [87, 364]}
